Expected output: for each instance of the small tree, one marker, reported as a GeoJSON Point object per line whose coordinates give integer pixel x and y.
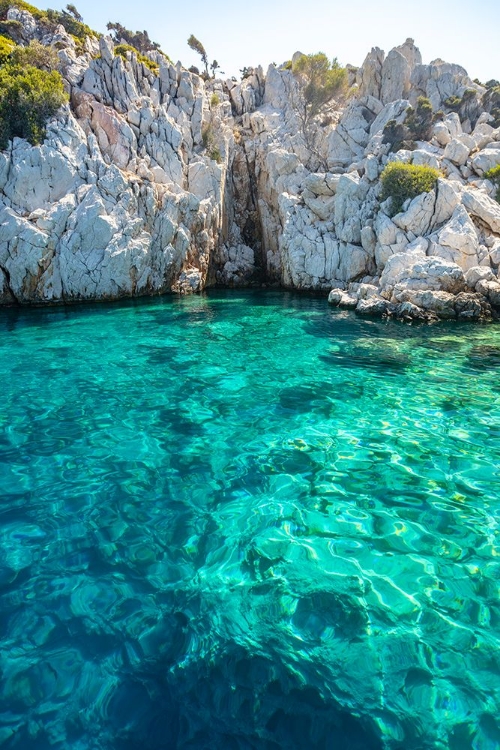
{"type": "Point", "coordinates": [138, 39]}
{"type": "Point", "coordinates": [71, 9]}
{"type": "Point", "coordinates": [197, 46]}
{"type": "Point", "coordinates": [320, 81]}
{"type": "Point", "coordinates": [214, 67]}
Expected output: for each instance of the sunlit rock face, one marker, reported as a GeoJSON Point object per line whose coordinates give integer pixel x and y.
{"type": "Point", "coordinates": [153, 182]}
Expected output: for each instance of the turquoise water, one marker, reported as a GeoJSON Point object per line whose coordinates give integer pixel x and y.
{"type": "Point", "coordinates": [246, 520]}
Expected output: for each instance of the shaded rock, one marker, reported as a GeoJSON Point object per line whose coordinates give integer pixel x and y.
{"type": "Point", "coordinates": [372, 306]}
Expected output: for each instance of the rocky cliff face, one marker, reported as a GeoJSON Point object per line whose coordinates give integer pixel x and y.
{"type": "Point", "coordinates": [151, 183]}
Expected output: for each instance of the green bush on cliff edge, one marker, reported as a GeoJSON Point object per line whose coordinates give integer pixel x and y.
{"type": "Point", "coordinates": [28, 98]}
{"type": "Point", "coordinates": [403, 181]}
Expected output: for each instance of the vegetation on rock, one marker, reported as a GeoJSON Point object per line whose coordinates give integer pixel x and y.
{"type": "Point", "coordinates": [197, 46]}
{"type": "Point", "coordinates": [49, 19]}
{"type": "Point", "coordinates": [122, 49]}
{"type": "Point", "coordinates": [416, 127]}
{"type": "Point", "coordinates": [493, 174]}
{"type": "Point", "coordinates": [28, 98]}
{"type": "Point", "coordinates": [210, 143]}
{"type": "Point", "coordinates": [403, 181]}
{"type": "Point", "coordinates": [139, 40]}
{"type": "Point", "coordinates": [31, 90]}
{"type": "Point", "coordinates": [36, 55]}
{"type": "Point", "coordinates": [320, 81]}
{"type": "Point", "coordinates": [72, 22]}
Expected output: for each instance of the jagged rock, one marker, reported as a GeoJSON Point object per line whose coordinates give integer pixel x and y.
{"type": "Point", "coordinates": [396, 73]}
{"type": "Point", "coordinates": [471, 307]}
{"type": "Point", "coordinates": [423, 158]}
{"type": "Point", "coordinates": [409, 311]}
{"type": "Point", "coordinates": [457, 152]}
{"type": "Point", "coordinates": [458, 240]}
{"type": "Point", "coordinates": [322, 205]}
{"type": "Point", "coordinates": [439, 81]}
{"type": "Point", "coordinates": [153, 188]}
{"type": "Point", "coordinates": [486, 159]}
{"type": "Point", "coordinates": [341, 299]}
{"type": "Point", "coordinates": [369, 76]}
{"type": "Point", "coordinates": [440, 303]}
{"type": "Point", "coordinates": [490, 290]}
{"type": "Point", "coordinates": [480, 205]}
{"type": "Point", "coordinates": [414, 271]}
{"type": "Point", "coordinates": [348, 141]}
{"type": "Point", "coordinates": [478, 273]}
{"type": "Point", "coordinates": [322, 183]}
{"type": "Point", "coordinates": [372, 306]}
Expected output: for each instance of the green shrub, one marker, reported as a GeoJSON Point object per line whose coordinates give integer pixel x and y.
{"type": "Point", "coordinates": [214, 100]}
{"type": "Point", "coordinates": [35, 12]}
{"type": "Point", "coordinates": [453, 102]}
{"type": "Point", "coordinates": [72, 24]}
{"type": "Point", "coordinates": [6, 47]}
{"type": "Point", "coordinates": [210, 143]}
{"type": "Point", "coordinates": [493, 174]}
{"type": "Point", "coordinates": [403, 181]}
{"type": "Point", "coordinates": [75, 28]}
{"type": "Point", "coordinates": [416, 127]}
{"type": "Point", "coordinates": [319, 80]}
{"type": "Point", "coordinates": [122, 49]}
{"type": "Point", "coordinates": [36, 55]}
{"type": "Point", "coordinates": [28, 98]}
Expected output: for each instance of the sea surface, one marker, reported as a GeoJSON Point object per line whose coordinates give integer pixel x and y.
{"type": "Point", "coordinates": [245, 520]}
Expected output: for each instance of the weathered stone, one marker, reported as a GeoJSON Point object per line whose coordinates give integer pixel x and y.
{"type": "Point", "coordinates": [457, 152]}
{"type": "Point", "coordinates": [485, 160]}
{"type": "Point", "coordinates": [372, 306]}
{"type": "Point", "coordinates": [480, 205]}
{"type": "Point", "coordinates": [478, 273]}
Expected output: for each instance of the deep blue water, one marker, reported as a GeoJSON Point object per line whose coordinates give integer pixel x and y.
{"type": "Point", "coordinates": [246, 520]}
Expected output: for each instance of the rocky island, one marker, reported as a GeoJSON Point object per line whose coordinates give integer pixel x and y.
{"type": "Point", "coordinates": [151, 179]}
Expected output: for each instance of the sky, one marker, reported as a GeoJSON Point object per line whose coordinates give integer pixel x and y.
{"type": "Point", "coordinates": [263, 31]}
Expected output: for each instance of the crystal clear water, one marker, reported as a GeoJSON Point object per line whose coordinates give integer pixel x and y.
{"type": "Point", "coordinates": [246, 520]}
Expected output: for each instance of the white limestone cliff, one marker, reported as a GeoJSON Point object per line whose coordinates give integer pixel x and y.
{"type": "Point", "coordinates": [150, 183]}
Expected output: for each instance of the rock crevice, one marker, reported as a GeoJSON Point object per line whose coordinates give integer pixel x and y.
{"type": "Point", "coordinates": [152, 183]}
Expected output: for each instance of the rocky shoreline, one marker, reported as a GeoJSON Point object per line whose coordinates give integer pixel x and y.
{"type": "Point", "coordinates": [149, 183]}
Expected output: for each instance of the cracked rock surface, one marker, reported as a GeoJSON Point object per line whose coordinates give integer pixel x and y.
{"type": "Point", "coordinates": [148, 183]}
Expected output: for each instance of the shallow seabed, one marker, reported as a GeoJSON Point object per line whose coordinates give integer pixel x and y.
{"type": "Point", "coordinates": [244, 520]}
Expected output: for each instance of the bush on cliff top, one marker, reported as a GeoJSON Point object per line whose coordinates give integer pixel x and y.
{"type": "Point", "coordinates": [70, 19]}
{"type": "Point", "coordinates": [122, 49]}
{"type": "Point", "coordinates": [403, 181]}
{"type": "Point", "coordinates": [28, 98]}
{"type": "Point", "coordinates": [320, 81]}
